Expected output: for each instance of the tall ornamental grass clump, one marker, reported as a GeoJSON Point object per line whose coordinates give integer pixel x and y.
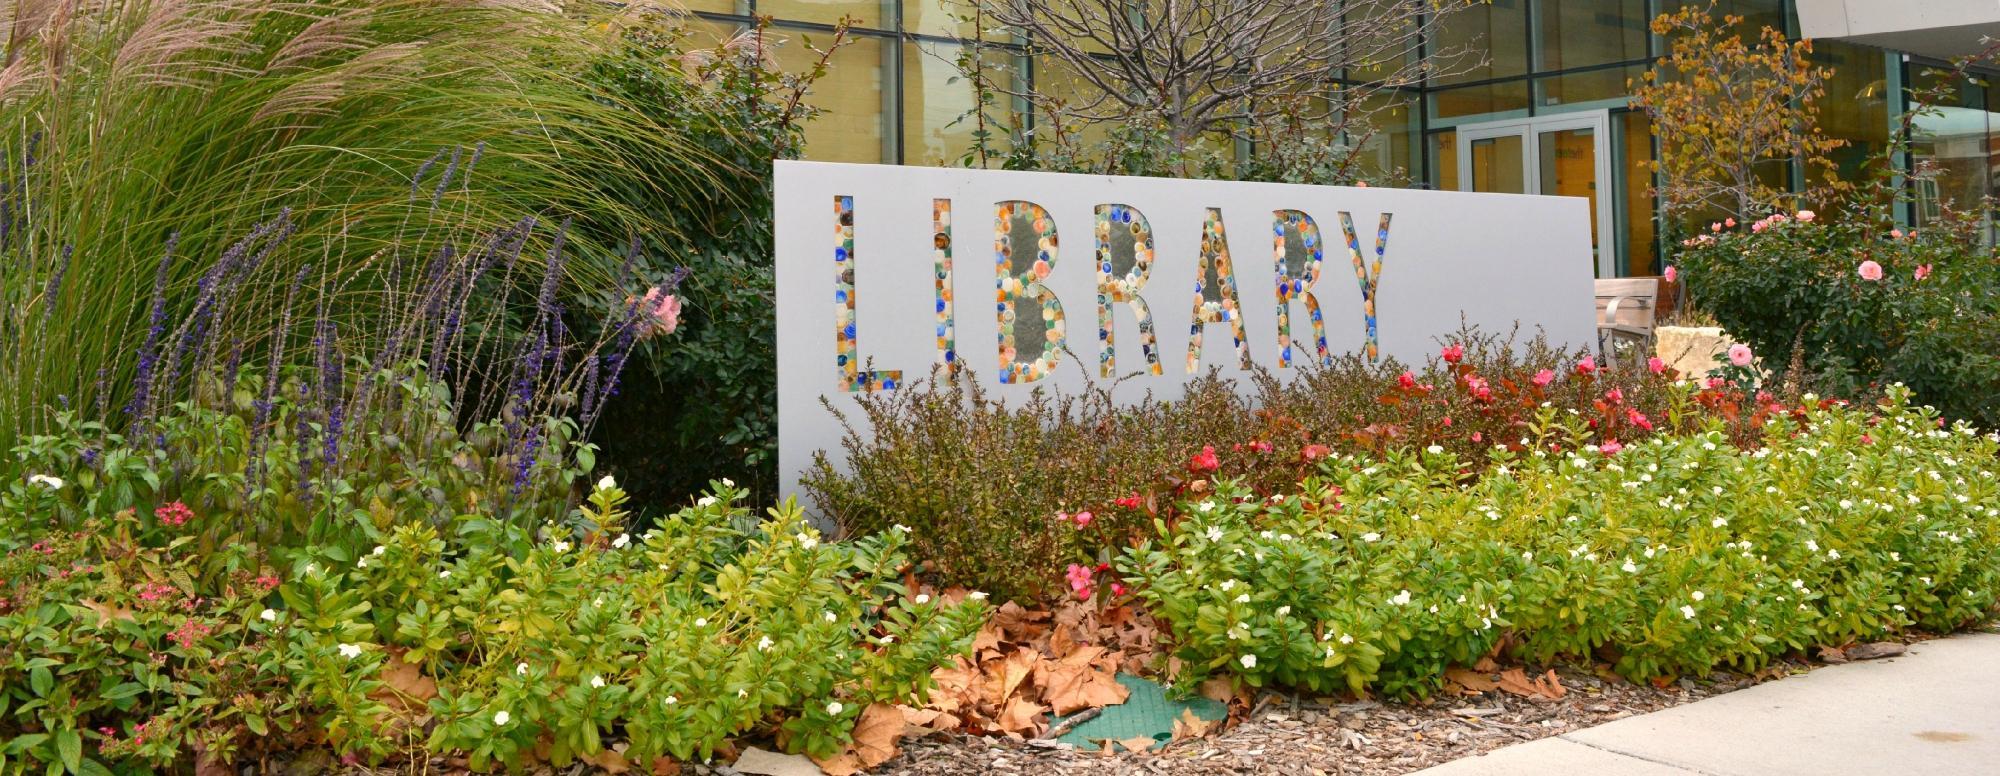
{"type": "Point", "coordinates": [1667, 557]}
{"type": "Point", "coordinates": [137, 128]}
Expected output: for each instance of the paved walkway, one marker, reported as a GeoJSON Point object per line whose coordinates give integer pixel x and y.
{"type": "Point", "coordinates": [1935, 710]}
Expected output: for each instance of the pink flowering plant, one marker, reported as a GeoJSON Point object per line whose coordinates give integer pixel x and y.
{"type": "Point", "coordinates": [1849, 305]}
{"type": "Point", "coordinates": [1667, 557]}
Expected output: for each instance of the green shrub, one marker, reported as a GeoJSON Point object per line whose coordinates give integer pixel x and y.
{"type": "Point", "coordinates": [127, 646]}
{"type": "Point", "coordinates": [1667, 557]}
{"type": "Point", "coordinates": [986, 485]}
{"type": "Point", "coordinates": [1793, 290]}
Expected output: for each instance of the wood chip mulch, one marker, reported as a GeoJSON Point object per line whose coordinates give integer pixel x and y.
{"type": "Point", "coordinates": [1322, 736]}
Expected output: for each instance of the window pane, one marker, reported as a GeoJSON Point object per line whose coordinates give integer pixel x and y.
{"type": "Point", "coordinates": [1385, 152]}
{"type": "Point", "coordinates": [1444, 160]}
{"type": "Point", "coordinates": [1757, 14]}
{"type": "Point", "coordinates": [1501, 100]}
{"type": "Point", "coordinates": [1499, 29]}
{"type": "Point", "coordinates": [949, 18]}
{"type": "Point", "coordinates": [1588, 87]}
{"type": "Point", "coordinates": [850, 125]}
{"type": "Point", "coordinates": [715, 6]}
{"type": "Point", "coordinates": [1855, 107]}
{"type": "Point", "coordinates": [1950, 146]}
{"type": "Point", "coordinates": [1081, 103]}
{"type": "Point", "coordinates": [870, 14]}
{"type": "Point", "coordinates": [1581, 33]}
{"type": "Point", "coordinates": [938, 123]}
{"type": "Point", "coordinates": [1634, 150]}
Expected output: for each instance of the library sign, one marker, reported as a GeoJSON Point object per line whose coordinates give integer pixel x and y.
{"type": "Point", "coordinates": [888, 274]}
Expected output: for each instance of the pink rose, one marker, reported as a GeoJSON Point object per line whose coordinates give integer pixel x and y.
{"type": "Point", "coordinates": [1740, 355]}
{"type": "Point", "coordinates": [1923, 271]}
{"type": "Point", "coordinates": [659, 312]}
{"type": "Point", "coordinates": [1673, 273]}
{"type": "Point", "coordinates": [1615, 396]}
{"type": "Point", "coordinates": [1586, 366]}
{"type": "Point", "coordinates": [1082, 519]}
{"type": "Point", "coordinates": [1610, 447]}
{"type": "Point", "coordinates": [1806, 216]}
{"type": "Point", "coordinates": [1544, 377]}
{"type": "Point", "coordinates": [1715, 227]}
{"type": "Point", "coordinates": [1896, 233]}
{"type": "Point", "coordinates": [1729, 222]}
{"type": "Point", "coordinates": [1452, 353]}
{"type": "Point", "coordinates": [1655, 365]}
{"type": "Point", "coordinates": [1079, 580]}
{"type": "Point", "coordinates": [1870, 270]}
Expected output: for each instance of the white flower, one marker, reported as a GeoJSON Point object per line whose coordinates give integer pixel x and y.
{"type": "Point", "coordinates": [379, 549]}
{"type": "Point", "coordinates": [701, 622]}
{"type": "Point", "coordinates": [1248, 661]}
{"type": "Point", "coordinates": [622, 541]}
{"type": "Point", "coordinates": [807, 540]}
{"type": "Point", "coordinates": [764, 644]}
{"type": "Point", "coordinates": [1206, 506]}
{"type": "Point", "coordinates": [501, 717]}
{"type": "Point", "coordinates": [1228, 585]}
{"type": "Point", "coordinates": [361, 563]}
{"type": "Point", "coordinates": [1630, 567]}
{"type": "Point", "coordinates": [977, 595]}
{"type": "Point", "coordinates": [705, 501]}
{"type": "Point", "coordinates": [1371, 536]}
{"type": "Point", "coordinates": [1434, 449]}
{"type": "Point", "coordinates": [1833, 554]}
{"type": "Point", "coordinates": [445, 574]}
{"type": "Point", "coordinates": [1243, 599]}
{"type": "Point", "coordinates": [1718, 522]}
{"type": "Point", "coordinates": [560, 547]}
{"type": "Point", "coordinates": [1284, 610]}
{"type": "Point", "coordinates": [1698, 595]}
{"type": "Point", "coordinates": [1346, 639]}
{"type": "Point", "coordinates": [597, 681]}
{"type": "Point", "coordinates": [671, 700]}
{"type": "Point", "coordinates": [1812, 545]}
{"type": "Point", "coordinates": [728, 483]}
{"type": "Point", "coordinates": [1401, 598]}
{"type": "Point", "coordinates": [900, 528]}
{"type": "Point", "coordinates": [521, 669]}
{"type": "Point", "coordinates": [268, 615]}
{"type": "Point", "coordinates": [607, 483]}
{"type": "Point", "coordinates": [52, 483]}
{"type": "Point", "coordinates": [828, 616]}
{"type": "Point", "coordinates": [834, 708]}
{"type": "Point", "coordinates": [350, 651]}
{"type": "Point", "coordinates": [923, 598]}
{"type": "Point", "coordinates": [1687, 611]}
{"type": "Point", "coordinates": [743, 693]}
{"type": "Point", "coordinates": [887, 639]}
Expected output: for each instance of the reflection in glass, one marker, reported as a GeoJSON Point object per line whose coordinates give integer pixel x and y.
{"type": "Point", "coordinates": [870, 14]}
{"type": "Point", "coordinates": [851, 127]}
{"type": "Point", "coordinates": [939, 125]}
{"type": "Point", "coordinates": [1498, 28]}
{"type": "Point", "coordinates": [1581, 33]}
{"type": "Point", "coordinates": [1497, 165]}
{"type": "Point", "coordinates": [1568, 160]}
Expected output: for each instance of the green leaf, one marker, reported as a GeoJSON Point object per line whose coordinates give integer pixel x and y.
{"type": "Point", "coordinates": [42, 682]}
{"type": "Point", "coordinates": [123, 691]}
{"type": "Point", "coordinates": [69, 747]}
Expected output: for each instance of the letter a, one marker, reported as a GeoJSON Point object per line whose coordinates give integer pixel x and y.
{"type": "Point", "coordinates": [1215, 254]}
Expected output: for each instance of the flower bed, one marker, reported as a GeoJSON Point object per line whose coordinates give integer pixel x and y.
{"type": "Point", "coordinates": [1668, 557]}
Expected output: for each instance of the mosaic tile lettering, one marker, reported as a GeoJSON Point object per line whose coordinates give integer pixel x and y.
{"type": "Point", "coordinates": [846, 348]}
{"type": "Point", "coordinates": [1371, 278]}
{"type": "Point", "coordinates": [1113, 288]}
{"type": "Point", "coordinates": [1215, 254]}
{"type": "Point", "coordinates": [1011, 287]}
{"type": "Point", "coordinates": [1291, 287]}
{"type": "Point", "coordinates": [947, 339]}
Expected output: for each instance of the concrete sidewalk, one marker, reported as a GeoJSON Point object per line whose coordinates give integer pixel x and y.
{"type": "Point", "coordinates": [1934, 710]}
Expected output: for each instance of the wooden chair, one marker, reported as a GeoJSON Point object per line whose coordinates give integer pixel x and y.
{"type": "Point", "coordinates": [1626, 308]}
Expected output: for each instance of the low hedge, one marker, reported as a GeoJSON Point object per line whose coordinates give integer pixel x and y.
{"type": "Point", "coordinates": [1671, 556]}
{"type": "Point", "coordinates": [124, 649]}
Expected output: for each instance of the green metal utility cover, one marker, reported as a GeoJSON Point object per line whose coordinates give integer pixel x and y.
{"type": "Point", "coordinates": [1146, 713]}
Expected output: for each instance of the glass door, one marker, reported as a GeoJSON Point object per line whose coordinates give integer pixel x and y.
{"type": "Point", "coordinates": [1565, 155]}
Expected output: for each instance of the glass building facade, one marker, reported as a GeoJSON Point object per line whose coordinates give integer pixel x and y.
{"type": "Point", "coordinates": [1545, 112]}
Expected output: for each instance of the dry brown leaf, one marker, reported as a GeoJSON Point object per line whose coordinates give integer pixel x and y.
{"type": "Point", "coordinates": [609, 761]}
{"type": "Point", "coordinates": [1015, 670]}
{"type": "Point", "coordinates": [666, 766]}
{"type": "Point", "coordinates": [843, 764]}
{"type": "Point", "coordinates": [1020, 716]}
{"type": "Point", "coordinates": [1218, 689]}
{"type": "Point", "coordinates": [1137, 743]}
{"type": "Point", "coordinates": [107, 612]}
{"type": "Point", "coordinates": [1516, 681]}
{"type": "Point", "coordinates": [987, 639]}
{"type": "Point", "coordinates": [1473, 682]}
{"type": "Point", "coordinates": [1187, 725]}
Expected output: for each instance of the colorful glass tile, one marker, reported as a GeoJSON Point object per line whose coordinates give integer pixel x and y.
{"type": "Point", "coordinates": [1371, 279]}
{"type": "Point", "coordinates": [1010, 287]}
{"type": "Point", "coordinates": [1125, 288]}
{"type": "Point", "coordinates": [846, 338]}
{"type": "Point", "coordinates": [1292, 287]}
{"type": "Point", "coordinates": [1229, 309]}
{"type": "Point", "coordinates": [947, 339]}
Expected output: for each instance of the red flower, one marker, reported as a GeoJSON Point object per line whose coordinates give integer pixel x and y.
{"type": "Point", "coordinates": [1128, 502]}
{"type": "Point", "coordinates": [1316, 452]}
{"type": "Point", "coordinates": [1447, 421]}
{"type": "Point", "coordinates": [1260, 446]}
{"type": "Point", "coordinates": [1477, 437]}
{"type": "Point", "coordinates": [1614, 396]}
{"type": "Point", "coordinates": [1639, 419]}
{"type": "Point", "coordinates": [1655, 365]}
{"type": "Point", "coordinates": [1479, 389]}
{"type": "Point", "coordinates": [174, 514]}
{"type": "Point", "coordinates": [1586, 366]}
{"type": "Point", "coordinates": [1453, 353]}
{"type": "Point", "coordinates": [1406, 380]}
{"type": "Point", "coordinates": [1204, 461]}
{"type": "Point", "coordinates": [1117, 589]}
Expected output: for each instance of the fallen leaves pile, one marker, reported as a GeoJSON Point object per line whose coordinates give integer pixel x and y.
{"type": "Point", "coordinates": [1026, 666]}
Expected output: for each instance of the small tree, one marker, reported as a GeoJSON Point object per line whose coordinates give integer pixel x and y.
{"type": "Point", "coordinates": [1723, 108]}
{"type": "Point", "coordinates": [1220, 70]}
